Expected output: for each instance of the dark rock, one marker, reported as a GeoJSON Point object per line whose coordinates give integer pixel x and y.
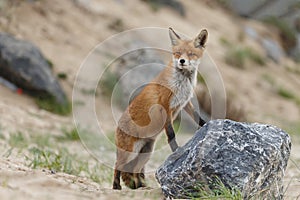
{"type": "Point", "coordinates": [249, 157]}
{"type": "Point", "coordinates": [23, 64]}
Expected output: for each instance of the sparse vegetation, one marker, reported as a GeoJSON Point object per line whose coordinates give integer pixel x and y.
{"type": "Point", "coordinates": [117, 25]}
{"type": "Point", "coordinates": [18, 140]}
{"type": "Point", "coordinates": [293, 69]}
{"type": "Point", "coordinates": [62, 75]}
{"type": "Point", "coordinates": [225, 42]}
{"type": "Point", "coordinates": [238, 56]}
{"type": "Point", "coordinates": [41, 140]}
{"type": "Point", "coordinates": [108, 82]}
{"type": "Point", "coordinates": [69, 135]}
{"type": "Point", "coordinates": [287, 94]}
{"type": "Point", "coordinates": [293, 128]}
{"type": "Point", "coordinates": [268, 78]}
{"type": "Point", "coordinates": [281, 90]}
{"type": "Point", "coordinates": [49, 153]}
{"type": "Point", "coordinates": [50, 63]}
{"type": "Point", "coordinates": [49, 104]}
{"type": "Point", "coordinates": [219, 191]}
{"type": "Point", "coordinates": [61, 161]}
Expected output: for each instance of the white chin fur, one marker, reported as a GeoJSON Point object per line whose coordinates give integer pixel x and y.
{"type": "Point", "coordinates": [195, 63]}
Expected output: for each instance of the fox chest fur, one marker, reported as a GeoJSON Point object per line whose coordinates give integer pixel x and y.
{"type": "Point", "coordinates": [182, 86]}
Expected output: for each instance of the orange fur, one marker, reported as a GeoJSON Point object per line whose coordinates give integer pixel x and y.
{"type": "Point", "coordinates": [154, 110]}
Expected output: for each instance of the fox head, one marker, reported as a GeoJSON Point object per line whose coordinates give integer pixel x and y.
{"type": "Point", "coordinates": [187, 53]}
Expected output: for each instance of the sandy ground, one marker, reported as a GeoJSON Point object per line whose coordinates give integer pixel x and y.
{"type": "Point", "coordinates": [66, 32]}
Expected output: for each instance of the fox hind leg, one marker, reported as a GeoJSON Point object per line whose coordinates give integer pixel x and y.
{"type": "Point", "coordinates": [116, 183]}
{"type": "Point", "coordinates": [144, 156]}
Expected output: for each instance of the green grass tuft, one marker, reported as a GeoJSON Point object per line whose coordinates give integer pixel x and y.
{"type": "Point", "coordinates": [225, 42]}
{"type": "Point", "coordinates": [49, 104]}
{"type": "Point", "coordinates": [69, 135]}
{"type": "Point", "coordinates": [18, 140]}
{"type": "Point", "coordinates": [238, 56]}
{"type": "Point", "coordinates": [219, 191]}
{"type": "Point", "coordinates": [108, 82]}
{"type": "Point", "coordinates": [268, 78]}
{"type": "Point", "coordinates": [41, 140]}
{"type": "Point", "coordinates": [62, 75]}
{"type": "Point", "coordinates": [61, 161]}
{"type": "Point", "coordinates": [285, 93]}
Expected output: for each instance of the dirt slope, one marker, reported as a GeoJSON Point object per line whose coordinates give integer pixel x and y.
{"type": "Point", "coordinates": [66, 32]}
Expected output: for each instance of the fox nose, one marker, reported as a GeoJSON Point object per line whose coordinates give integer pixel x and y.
{"type": "Point", "coordinates": [182, 61]}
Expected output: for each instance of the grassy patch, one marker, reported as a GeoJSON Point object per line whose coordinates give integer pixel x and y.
{"type": "Point", "coordinates": [293, 128]}
{"type": "Point", "coordinates": [41, 140]}
{"type": "Point", "coordinates": [18, 140]}
{"type": "Point", "coordinates": [108, 82]}
{"type": "Point", "coordinates": [238, 56]}
{"type": "Point", "coordinates": [88, 91]}
{"type": "Point", "coordinates": [219, 191]}
{"type": "Point", "coordinates": [287, 94]}
{"type": "Point", "coordinates": [51, 105]}
{"type": "Point", "coordinates": [280, 90]}
{"type": "Point", "coordinates": [46, 152]}
{"type": "Point", "coordinates": [61, 161]}
{"type": "Point", "coordinates": [294, 70]}
{"type": "Point", "coordinates": [62, 76]}
{"type": "Point", "coordinates": [50, 63]}
{"type": "Point", "coordinates": [69, 135]}
{"type": "Point", "coordinates": [268, 78]}
{"type": "Point", "coordinates": [1, 133]}
{"type": "Point", "coordinates": [225, 42]}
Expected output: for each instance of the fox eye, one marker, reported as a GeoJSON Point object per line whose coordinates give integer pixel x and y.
{"type": "Point", "coordinates": [177, 54]}
{"type": "Point", "coordinates": [192, 54]}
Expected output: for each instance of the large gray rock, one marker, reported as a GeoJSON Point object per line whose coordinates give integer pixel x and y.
{"type": "Point", "coordinates": [250, 157]}
{"type": "Point", "coordinates": [22, 63]}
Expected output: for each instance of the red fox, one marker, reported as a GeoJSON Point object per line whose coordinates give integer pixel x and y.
{"type": "Point", "coordinates": [155, 108]}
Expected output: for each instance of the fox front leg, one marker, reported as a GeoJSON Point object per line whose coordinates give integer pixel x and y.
{"type": "Point", "coordinates": [171, 136]}
{"type": "Point", "coordinates": [189, 108]}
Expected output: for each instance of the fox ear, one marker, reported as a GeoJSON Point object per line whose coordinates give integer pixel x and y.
{"type": "Point", "coordinates": [201, 39]}
{"type": "Point", "coordinates": [174, 37]}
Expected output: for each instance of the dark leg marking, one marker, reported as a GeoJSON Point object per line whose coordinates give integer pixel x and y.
{"type": "Point", "coordinates": [116, 183]}
{"type": "Point", "coordinates": [171, 137]}
{"type": "Point", "coordinates": [198, 119]}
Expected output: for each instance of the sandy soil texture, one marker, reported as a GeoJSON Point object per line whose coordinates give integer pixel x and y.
{"type": "Point", "coordinates": [66, 31]}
